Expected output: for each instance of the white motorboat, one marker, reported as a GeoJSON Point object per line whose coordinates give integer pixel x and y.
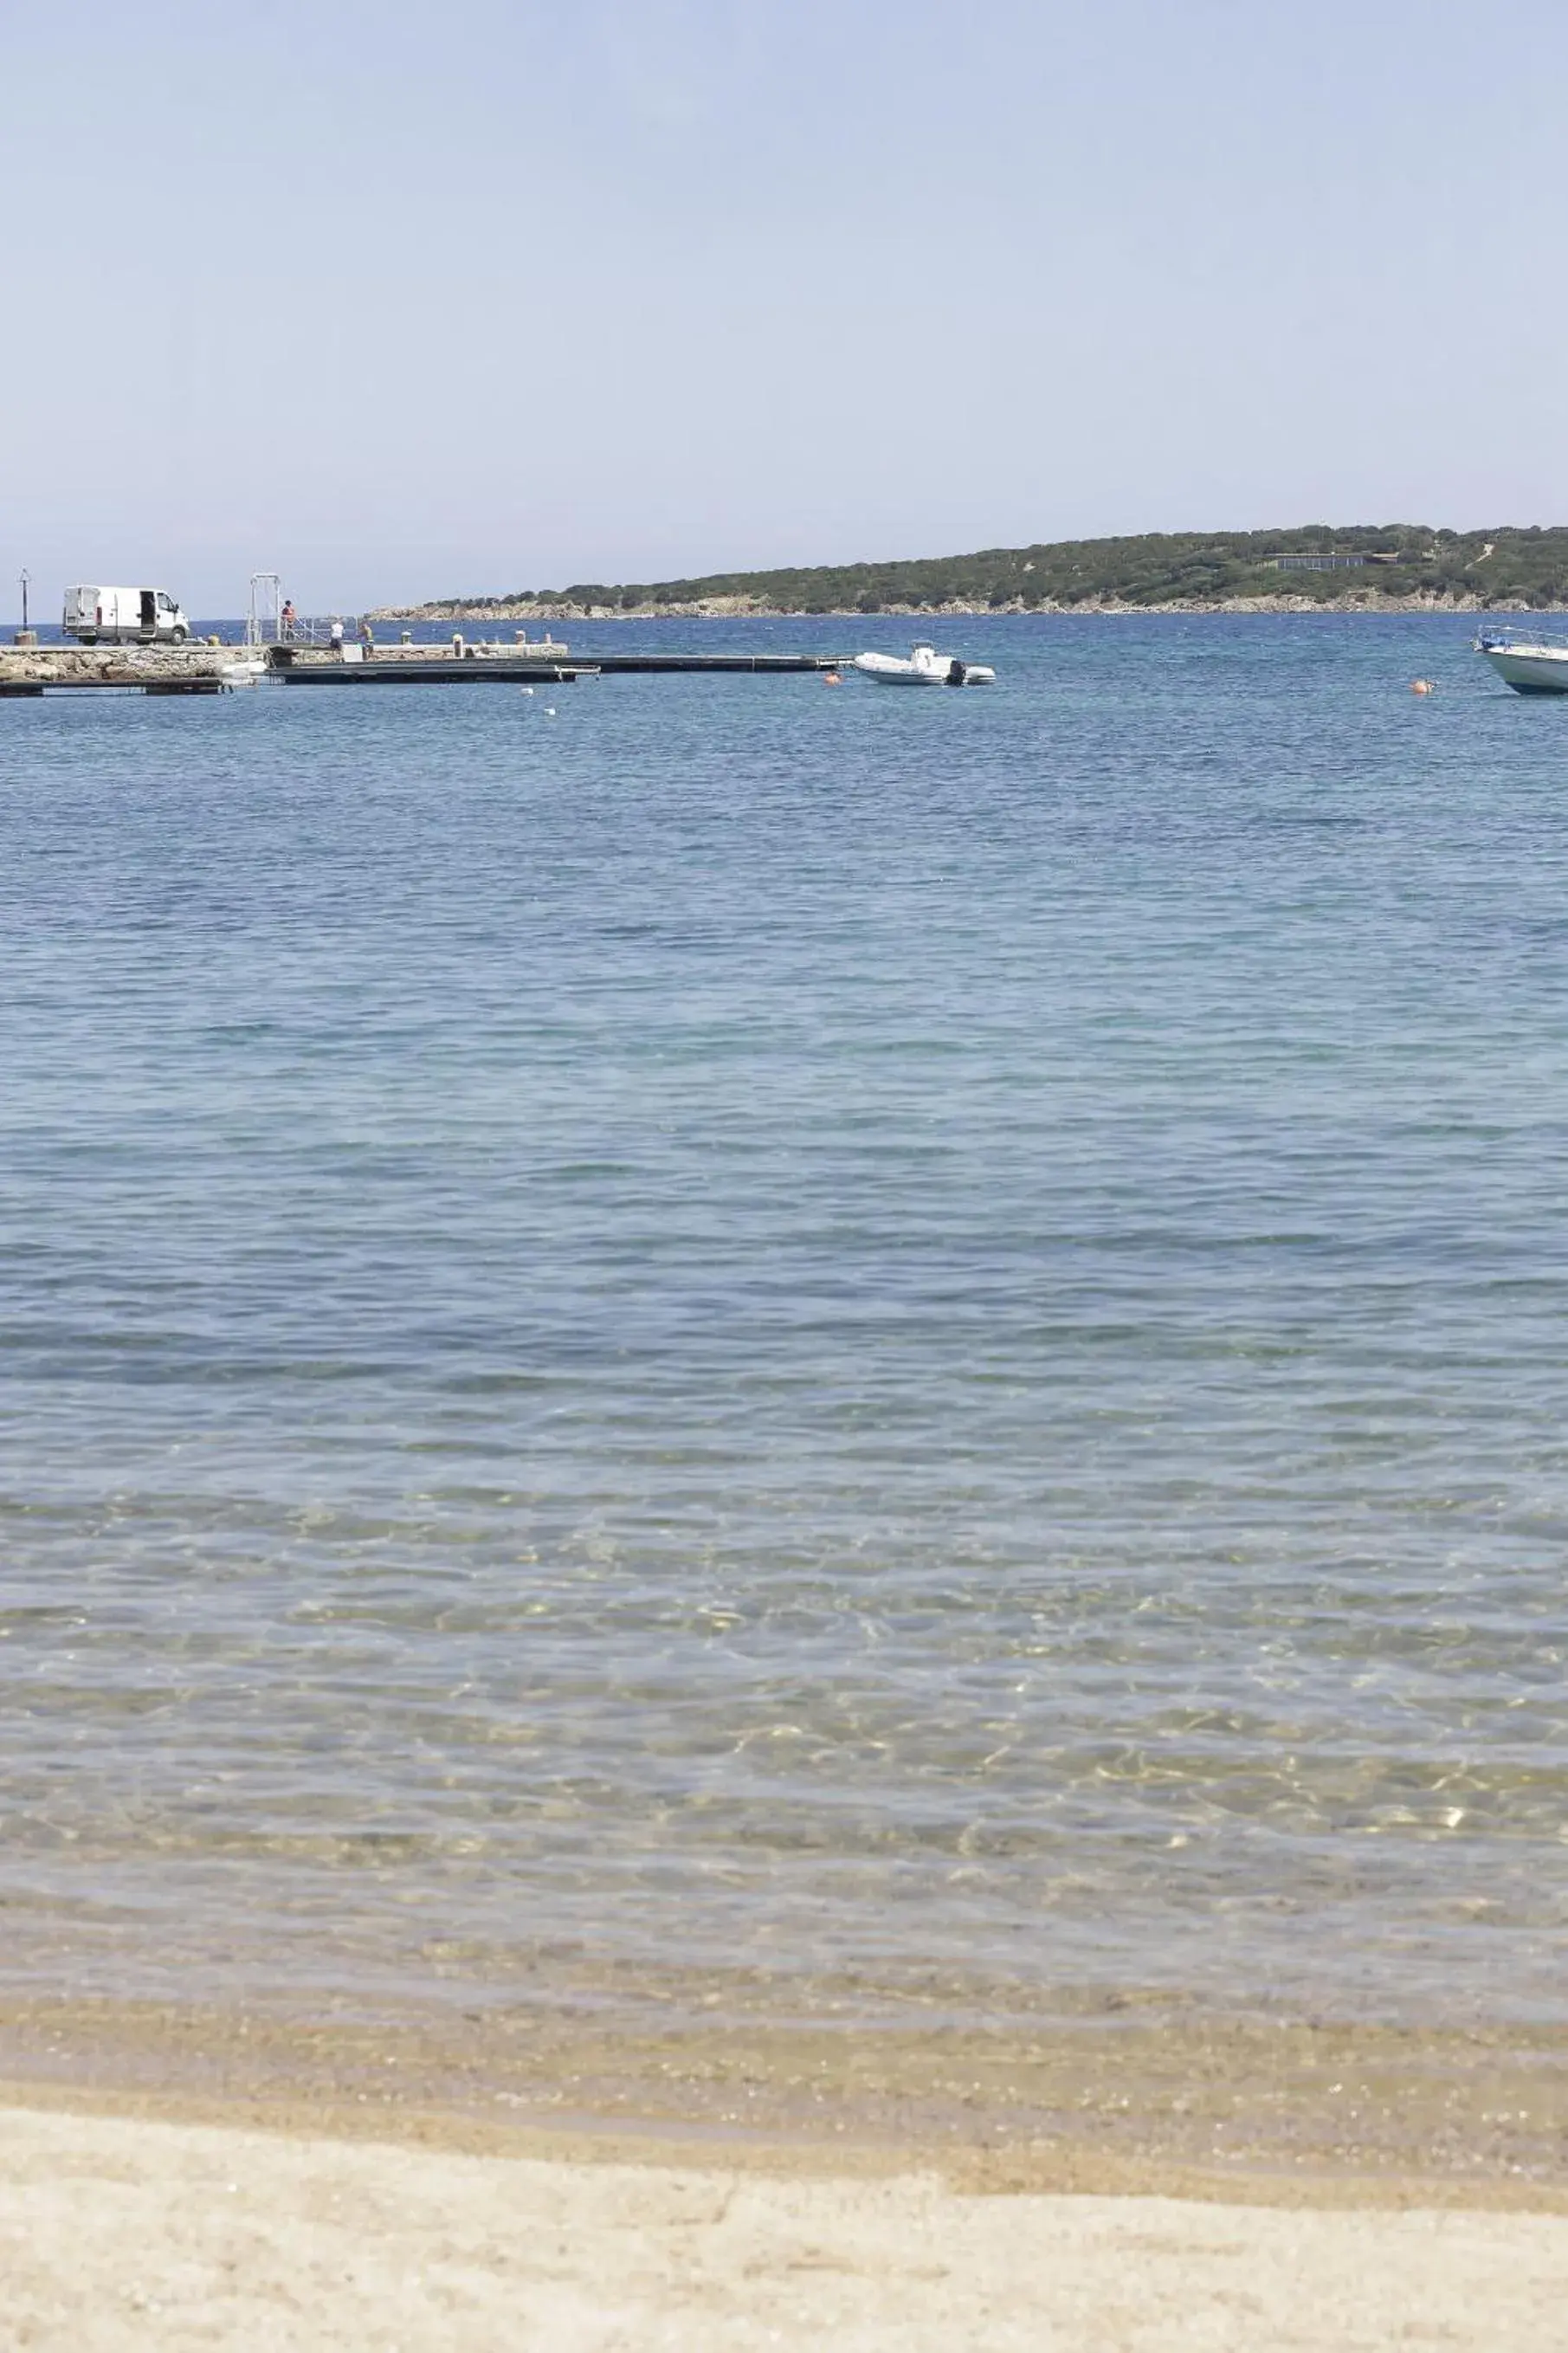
{"type": "Point", "coordinates": [925, 667]}
{"type": "Point", "coordinates": [1530, 665]}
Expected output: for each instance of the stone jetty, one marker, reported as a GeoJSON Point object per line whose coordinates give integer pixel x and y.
{"type": "Point", "coordinates": [166, 670]}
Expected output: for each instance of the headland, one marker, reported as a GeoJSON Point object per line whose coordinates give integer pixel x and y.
{"type": "Point", "coordinates": [1308, 568]}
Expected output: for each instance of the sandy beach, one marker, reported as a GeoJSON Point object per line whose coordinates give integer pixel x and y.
{"type": "Point", "coordinates": [130, 2233]}
{"type": "Point", "coordinates": [121, 2232]}
{"type": "Point", "coordinates": [191, 2178]}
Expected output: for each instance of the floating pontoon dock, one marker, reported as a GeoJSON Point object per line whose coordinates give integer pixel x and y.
{"type": "Point", "coordinates": [439, 670]}
{"type": "Point", "coordinates": [781, 665]}
{"type": "Point", "coordinates": [479, 665]}
{"type": "Point", "coordinates": [33, 671]}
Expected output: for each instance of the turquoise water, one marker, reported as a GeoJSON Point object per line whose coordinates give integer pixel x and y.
{"type": "Point", "coordinates": [842, 1333]}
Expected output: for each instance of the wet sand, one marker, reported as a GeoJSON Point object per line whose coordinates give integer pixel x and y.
{"type": "Point", "coordinates": [1135, 2096]}
{"type": "Point", "coordinates": [118, 2232]}
{"type": "Point", "coordinates": [540, 2175]}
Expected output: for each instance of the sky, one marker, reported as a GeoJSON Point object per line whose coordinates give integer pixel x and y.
{"type": "Point", "coordinates": [402, 302]}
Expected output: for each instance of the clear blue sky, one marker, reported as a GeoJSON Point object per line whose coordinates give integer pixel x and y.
{"type": "Point", "coordinates": [406, 300]}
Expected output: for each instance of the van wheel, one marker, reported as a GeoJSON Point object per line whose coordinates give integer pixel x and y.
{"type": "Point", "coordinates": [179, 636]}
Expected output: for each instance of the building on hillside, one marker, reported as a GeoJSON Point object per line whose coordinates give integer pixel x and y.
{"type": "Point", "coordinates": [1334, 560]}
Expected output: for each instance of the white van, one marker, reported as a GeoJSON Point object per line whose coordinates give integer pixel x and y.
{"type": "Point", "coordinates": [119, 615]}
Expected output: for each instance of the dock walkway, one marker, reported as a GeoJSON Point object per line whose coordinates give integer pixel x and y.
{"type": "Point", "coordinates": [207, 669]}
{"type": "Point", "coordinates": [478, 665]}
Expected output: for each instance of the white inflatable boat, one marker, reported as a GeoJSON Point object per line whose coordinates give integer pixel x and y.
{"type": "Point", "coordinates": [925, 667]}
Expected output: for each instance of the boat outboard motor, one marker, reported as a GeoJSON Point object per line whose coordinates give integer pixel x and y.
{"type": "Point", "coordinates": [955, 672]}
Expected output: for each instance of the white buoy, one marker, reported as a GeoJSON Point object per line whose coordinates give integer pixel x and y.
{"type": "Point", "coordinates": [525, 690]}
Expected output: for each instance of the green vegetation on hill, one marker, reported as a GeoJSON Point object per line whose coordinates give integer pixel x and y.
{"type": "Point", "coordinates": [1503, 566]}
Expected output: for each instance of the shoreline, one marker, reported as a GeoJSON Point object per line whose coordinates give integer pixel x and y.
{"type": "Point", "coordinates": [1168, 2103]}
{"type": "Point", "coordinates": [1367, 603]}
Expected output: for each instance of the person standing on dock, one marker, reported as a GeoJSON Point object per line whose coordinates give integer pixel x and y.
{"type": "Point", "coordinates": [336, 635]}
{"type": "Point", "coordinates": [367, 636]}
{"type": "Point", "coordinates": [287, 619]}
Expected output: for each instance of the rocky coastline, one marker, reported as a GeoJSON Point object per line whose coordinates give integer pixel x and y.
{"type": "Point", "coordinates": [729, 608]}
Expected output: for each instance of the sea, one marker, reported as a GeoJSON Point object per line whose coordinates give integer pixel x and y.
{"type": "Point", "coordinates": [835, 1339]}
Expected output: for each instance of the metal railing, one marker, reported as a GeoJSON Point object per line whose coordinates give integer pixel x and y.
{"type": "Point", "coordinates": [317, 630]}
{"type": "Point", "coordinates": [1514, 636]}
{"type": "Point", "coordinates": [272, 622]}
